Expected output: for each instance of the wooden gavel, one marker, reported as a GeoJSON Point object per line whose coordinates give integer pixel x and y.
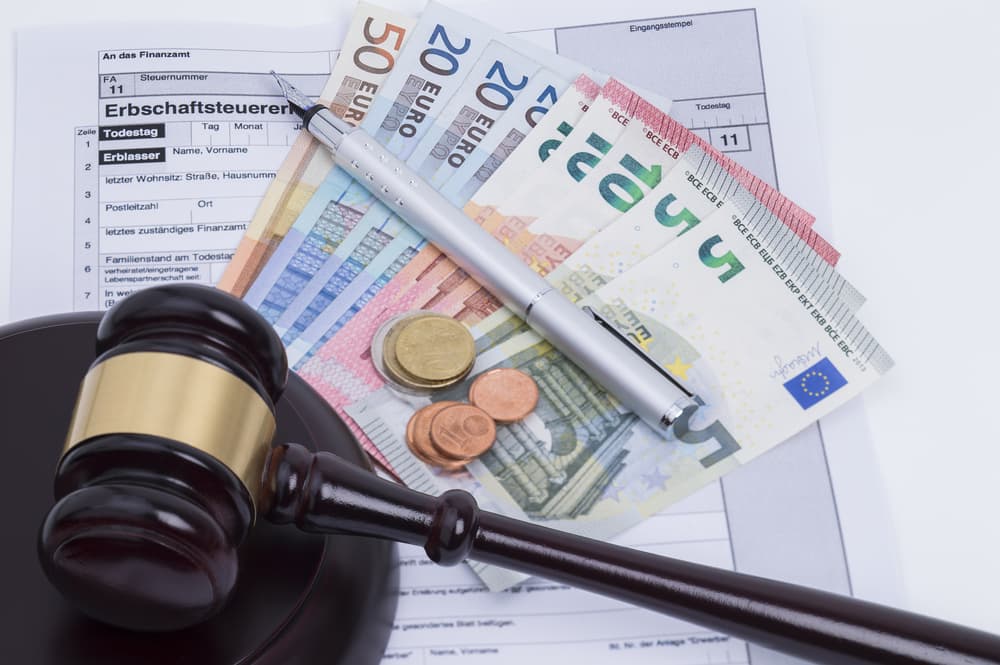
{"type": "Point", "coordinates": [169, 461]}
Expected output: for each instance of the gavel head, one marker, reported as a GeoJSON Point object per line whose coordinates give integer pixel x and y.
{"type": "Point", "coordinates": [159, 478]}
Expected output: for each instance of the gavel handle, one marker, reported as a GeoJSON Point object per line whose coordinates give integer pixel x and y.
{"type": "Point", "coordinates": [322, 493]}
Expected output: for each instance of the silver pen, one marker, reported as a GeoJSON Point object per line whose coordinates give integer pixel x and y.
{"type": "Point", "coordinates": [581, 335]}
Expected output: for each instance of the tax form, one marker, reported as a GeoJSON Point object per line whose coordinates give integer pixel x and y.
{"type": "Point", "coordinates": [153, 162]}
{"type": "Point", "coordinates": [806, 512]}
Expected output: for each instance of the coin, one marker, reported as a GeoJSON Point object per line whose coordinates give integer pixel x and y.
{"type": "Point", "coordinates": [418, 437]}
{"type": "Point", "coordinates": [386, 364]}
{"type": "Point", "coordinates": [462, 431]}
{"type": "Point", "coordinates": [434, 348]}
{"type": "Point", "coordinates": [397, 373]}
{"type": "Point", "coordinates": [506, 394]}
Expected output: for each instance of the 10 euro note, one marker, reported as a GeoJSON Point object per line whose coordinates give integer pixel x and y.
{"type": "Point", "coordinates": [367, 55]}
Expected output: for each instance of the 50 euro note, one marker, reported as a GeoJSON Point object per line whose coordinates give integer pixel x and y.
{"type": "Point", "coordinates": [307, 246]}
{"type": "Point", "coordinates": [367, 55]}
{"type": "Point", "coordinates": [720, 316]}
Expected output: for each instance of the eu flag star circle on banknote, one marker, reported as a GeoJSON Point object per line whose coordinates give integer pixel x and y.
{"type": "Point", "coordinates": [815, 384]}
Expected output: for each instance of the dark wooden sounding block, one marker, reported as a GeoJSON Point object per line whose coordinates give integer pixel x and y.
{"type": "Point", "coordinates": [302, 599]}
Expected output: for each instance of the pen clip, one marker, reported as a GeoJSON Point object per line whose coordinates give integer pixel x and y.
{"type": "Point", "coordinates": [613, 329]}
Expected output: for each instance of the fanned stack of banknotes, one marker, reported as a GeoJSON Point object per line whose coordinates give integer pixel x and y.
{"type": "Point", "coordinates": [715, 275]}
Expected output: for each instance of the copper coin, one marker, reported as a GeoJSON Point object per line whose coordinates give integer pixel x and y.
{"type": "Point", "coordinates": [462, 432]}
{"type": "Point", "coordinates": [418, 437]}
{"type": "Point", "coordinates": [508, 395]}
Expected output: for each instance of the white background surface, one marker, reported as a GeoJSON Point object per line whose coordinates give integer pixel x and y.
{"type": "Point", "coordinates": [909, 115]}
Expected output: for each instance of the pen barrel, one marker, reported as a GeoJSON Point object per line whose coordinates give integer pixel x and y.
{"type": "Point", "coordinates": [467, 244]}
{"type": "Point", "coordinates": [608, 359]}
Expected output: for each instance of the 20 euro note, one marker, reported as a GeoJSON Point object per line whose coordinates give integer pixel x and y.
{"type": "Point", "coordinates": [492, 89]}
{"type": "Point", "coordinates": [445, 45]}
{"type": "Point", "coordinates": [535, 148]}
{"type": "Point", "coordinates": [368, 54]}
{"type": "Point", "coordinates": [522, 117]}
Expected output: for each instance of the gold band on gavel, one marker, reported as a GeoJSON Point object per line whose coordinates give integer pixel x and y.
{"type": "Point", "coordinates": [180, 398]}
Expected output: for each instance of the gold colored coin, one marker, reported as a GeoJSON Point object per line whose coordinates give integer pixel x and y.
{"type": "Point", "coordinates": [462, 432]}
{"type": "Point", "coordinates": [434, 348]}
{"type": "Point", "coordinates": [391, 362]}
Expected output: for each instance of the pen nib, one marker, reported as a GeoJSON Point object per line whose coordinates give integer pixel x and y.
{"type": "Point", "coordinates": [298, 101]}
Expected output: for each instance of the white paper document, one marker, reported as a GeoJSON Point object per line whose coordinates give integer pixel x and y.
{"type": "Point", "coordinates": [142, 153]}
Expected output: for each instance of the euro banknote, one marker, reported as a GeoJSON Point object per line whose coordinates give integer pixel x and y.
{"type": "Point", "coordinates": [368, 54]}
{"type": "Point", "coordinates": [423, 288]}
{"type": "Point", "coordinates": [558, 174]}
{"type": "Point", "coordinates": [589, 183]}
{"type": "Point", "coordinates": [370, 241]}
{"type": "Point", "coordinates": [294, 261]}
{"type": "Point", "coordinates": [717, 313]}
{"type": "Point", "coordinates": [687, 196]}
{"type": "Point", "coordinates": [344, 360]}
{"type": "Point", "coordinates": [287, 289]}
{"type": "Point", "coordinates": [492, 86]}
{"type": "Point", "coordinates": [530, 108]}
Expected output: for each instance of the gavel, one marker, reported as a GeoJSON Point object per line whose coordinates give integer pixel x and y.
{"type": "Point", "coordinates": [169, 461]}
